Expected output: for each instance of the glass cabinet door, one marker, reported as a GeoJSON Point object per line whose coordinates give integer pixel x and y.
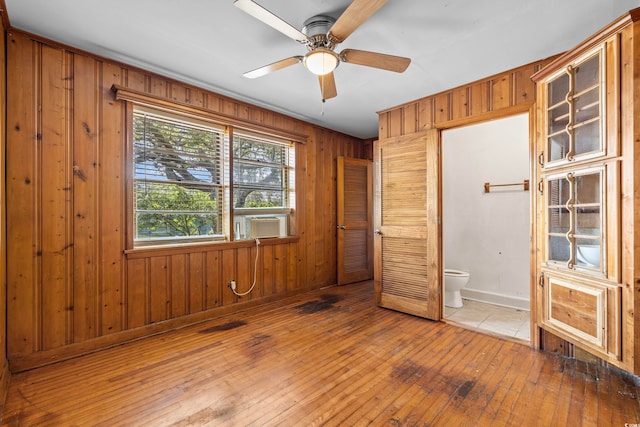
{"type": "Point", "coordinates": [575, 219]}
{"type": "Point", "coordinates": [575, 111]}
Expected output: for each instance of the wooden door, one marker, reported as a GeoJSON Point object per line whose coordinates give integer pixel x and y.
{"type": "Point", "coordinates": [355, 220]}
{"type": "Point", "coordinates": [407, 242]}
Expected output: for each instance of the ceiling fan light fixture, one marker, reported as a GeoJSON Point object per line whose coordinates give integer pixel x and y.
{"type": "Point", "coordinates": [321, 61]}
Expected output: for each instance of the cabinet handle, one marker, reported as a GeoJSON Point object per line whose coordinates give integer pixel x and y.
{"type": "Point", "coordinates": [541, 186]}
{"type": "Point", "coordinates": [541, 158]}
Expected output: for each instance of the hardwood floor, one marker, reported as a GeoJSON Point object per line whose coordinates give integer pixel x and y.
{"type": "Point", "coordinates": [329, 357]}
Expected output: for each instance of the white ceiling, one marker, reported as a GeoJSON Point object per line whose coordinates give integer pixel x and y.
{"type": "Point", "coordinates": [210, 43]}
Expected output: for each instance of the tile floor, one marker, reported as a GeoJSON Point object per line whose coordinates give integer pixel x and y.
{"type": "Point", "coordinates": [506, 321]}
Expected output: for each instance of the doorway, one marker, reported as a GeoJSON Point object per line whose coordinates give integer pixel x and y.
{"type": "Point", "coordinates": [486, 230]}
{"type": "Point", "coordinates": [354, 220]}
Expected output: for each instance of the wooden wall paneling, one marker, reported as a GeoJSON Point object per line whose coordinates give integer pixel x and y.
{"type": "Point", "coordinates": [158, 86]}
{"type": "Point", "coordinates": [179, 285]}
{"type": "Point", "coordinates": [329, 210]}
{"type": "Point", "coordinates": [442, 107]}
{"type": "Point", "coordinates": [501, 92]}
{"type": "Point", "coordinates": [632, 323]}
{"type": "Point", "coordinates": [267, 270]}
{"type": "Point", "coordinates": [228, 107]}
{"type": "Point", "coordinates": [409, 119]}
{"type": "Point", "coordinates": [395, 122]}
{"type": "Point", "coordinates": [280, 269]}
{"type": "Point", "coordinates": [54, 164]}
{"type": "Point", "coordinates": [244, 275]}
{"type": "Point", "coordinates": [320, 214]}
{"type": "Point", "coordinates": [136, 293]}
{"type": "Point", "coordinates": [112, 202]}
{"type": "Point", "coordinates": [22, 212]}
{"type": "Point", "coordinates": [196, 282]}
{"type": "Point", "coordinates": [255, 115]}
{"type": "Point", "coordinates": [85, 129]}
{"type": "Point", "coordinates": [178, 92]}
{"type": "Point", "coordinates": [277, 121]}
{"type": "Point", "coordinates": [479, 103]}
{"type": "Point", "coordinates": [107, 291]}
{"type": "Point", "coordinates": [213, 278]}
{"type": "Point", "coordinates": [524, 88]}
{"type": "Point", "coordinates": [159, 288]}
{"type": "Point", "coordinates": [425, 114]}
{"type": "Point", "coordinates": [310, 207]}
{"type": "Point", "coordinates": [383, 125]}
{"type": "Point", "coordinates": [197, 98]}
{"type": "Point", "coordinates": [230, 272]}
{"type": "Point", "coordinates": [300, 216]}
{"type": "Point", "coordinates": [486, 98]}
{"type": "Point", "coordinates": [243, 112]}
{"type": "Point", "coordinates": [293, 262]}
{"type": "Point", "coordinates": [630, 183]}
{"type": "Point", "coordinates": [5, 375]}
{"type": "Point", "coordinates": [259, 290]}
{"type": "Point", "coordinates": [134, 79]}
{"type": "Point", "coordinates": [459, 103]}
{"type": "Point", "coordinates": [267, 118]}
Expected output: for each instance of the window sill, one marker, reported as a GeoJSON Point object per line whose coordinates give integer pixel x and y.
{"type": "Point", "coordinates": [188, 248]}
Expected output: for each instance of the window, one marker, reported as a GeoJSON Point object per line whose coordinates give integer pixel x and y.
{"type": "Point", "coordinates": [182, 189]}
{"type": "Point", "coordinates": [262, 186]}
{"type": "Point", "coordinates": [178, 185]}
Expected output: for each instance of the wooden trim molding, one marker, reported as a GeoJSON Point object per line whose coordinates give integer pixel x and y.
{"type": "Point", "coordinates": [4, 16]}
{"type": "Point", "coordinates": [25, 362]}
{"type": "Point", "coordinates": [5, 379]}
{"type": "Point", "coordinates": [167, 250]}
{"type": "Point", "coordinates": [125, 94]}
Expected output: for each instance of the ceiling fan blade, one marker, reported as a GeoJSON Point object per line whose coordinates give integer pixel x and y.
{"type": "Point", "coordinates": [327, 86]}
{"type": "Point", "coordinates": [258, 12]}
{"type": "Point", "coordinates": [355, 15]}
{"type": "Point", "coordinates": [262, 71]}
{"type": "Point", "coordinates": [375, 60]}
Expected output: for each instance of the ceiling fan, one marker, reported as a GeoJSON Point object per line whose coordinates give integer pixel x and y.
{"type": "Point", "coordinates": [321, 34]}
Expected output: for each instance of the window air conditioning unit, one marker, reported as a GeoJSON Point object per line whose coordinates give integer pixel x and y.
{"type": "Point", "coordinates": [266, 227]}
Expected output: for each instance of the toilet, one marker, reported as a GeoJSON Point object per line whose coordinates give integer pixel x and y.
{"type": "Point", "coordinates": [454, 281]}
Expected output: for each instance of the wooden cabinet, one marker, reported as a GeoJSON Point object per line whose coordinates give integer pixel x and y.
{"type": "Point", "coordinates": [585, 213]}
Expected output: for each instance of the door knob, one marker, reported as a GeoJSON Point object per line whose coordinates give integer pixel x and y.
{"type": "Point", "coordinates": [378, 232]}
{"type": "Point", "coordinates": [342, 227]}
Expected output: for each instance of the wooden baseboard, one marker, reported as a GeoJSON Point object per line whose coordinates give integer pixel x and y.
{"type": "Point", "coordinates": [20, 363]}
{"type": "Point", "coordinates": [5, 379]}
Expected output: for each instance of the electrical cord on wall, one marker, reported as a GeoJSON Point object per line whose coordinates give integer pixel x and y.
{"type": "Point", "coordinates": [255, 273]}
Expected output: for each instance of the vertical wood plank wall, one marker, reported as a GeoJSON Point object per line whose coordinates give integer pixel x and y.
{"type": "Point", "coordinates": [4, 365]}
{"type": "Point", "coordinates": [497, 96]}
{"type": "Point", "coordinates": [71, 288]}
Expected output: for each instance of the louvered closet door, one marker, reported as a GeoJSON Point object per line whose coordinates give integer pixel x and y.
{"type": "Point", "coordinates": [355, 220]}
{"type": "Point", "coordinates": [407, 242]}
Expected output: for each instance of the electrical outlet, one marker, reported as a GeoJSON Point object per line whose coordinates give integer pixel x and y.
{"type": "Point", "coordinates": [232, 284]}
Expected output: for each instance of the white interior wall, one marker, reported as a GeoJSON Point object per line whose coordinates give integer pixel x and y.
{"type": "Point", "coordinates": [487, 234]}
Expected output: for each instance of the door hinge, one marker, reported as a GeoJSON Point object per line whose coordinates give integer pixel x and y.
{"type": "Point", "coordinates": [438, 220]}
{"type": "Point", "coordinates": [541, 280]}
